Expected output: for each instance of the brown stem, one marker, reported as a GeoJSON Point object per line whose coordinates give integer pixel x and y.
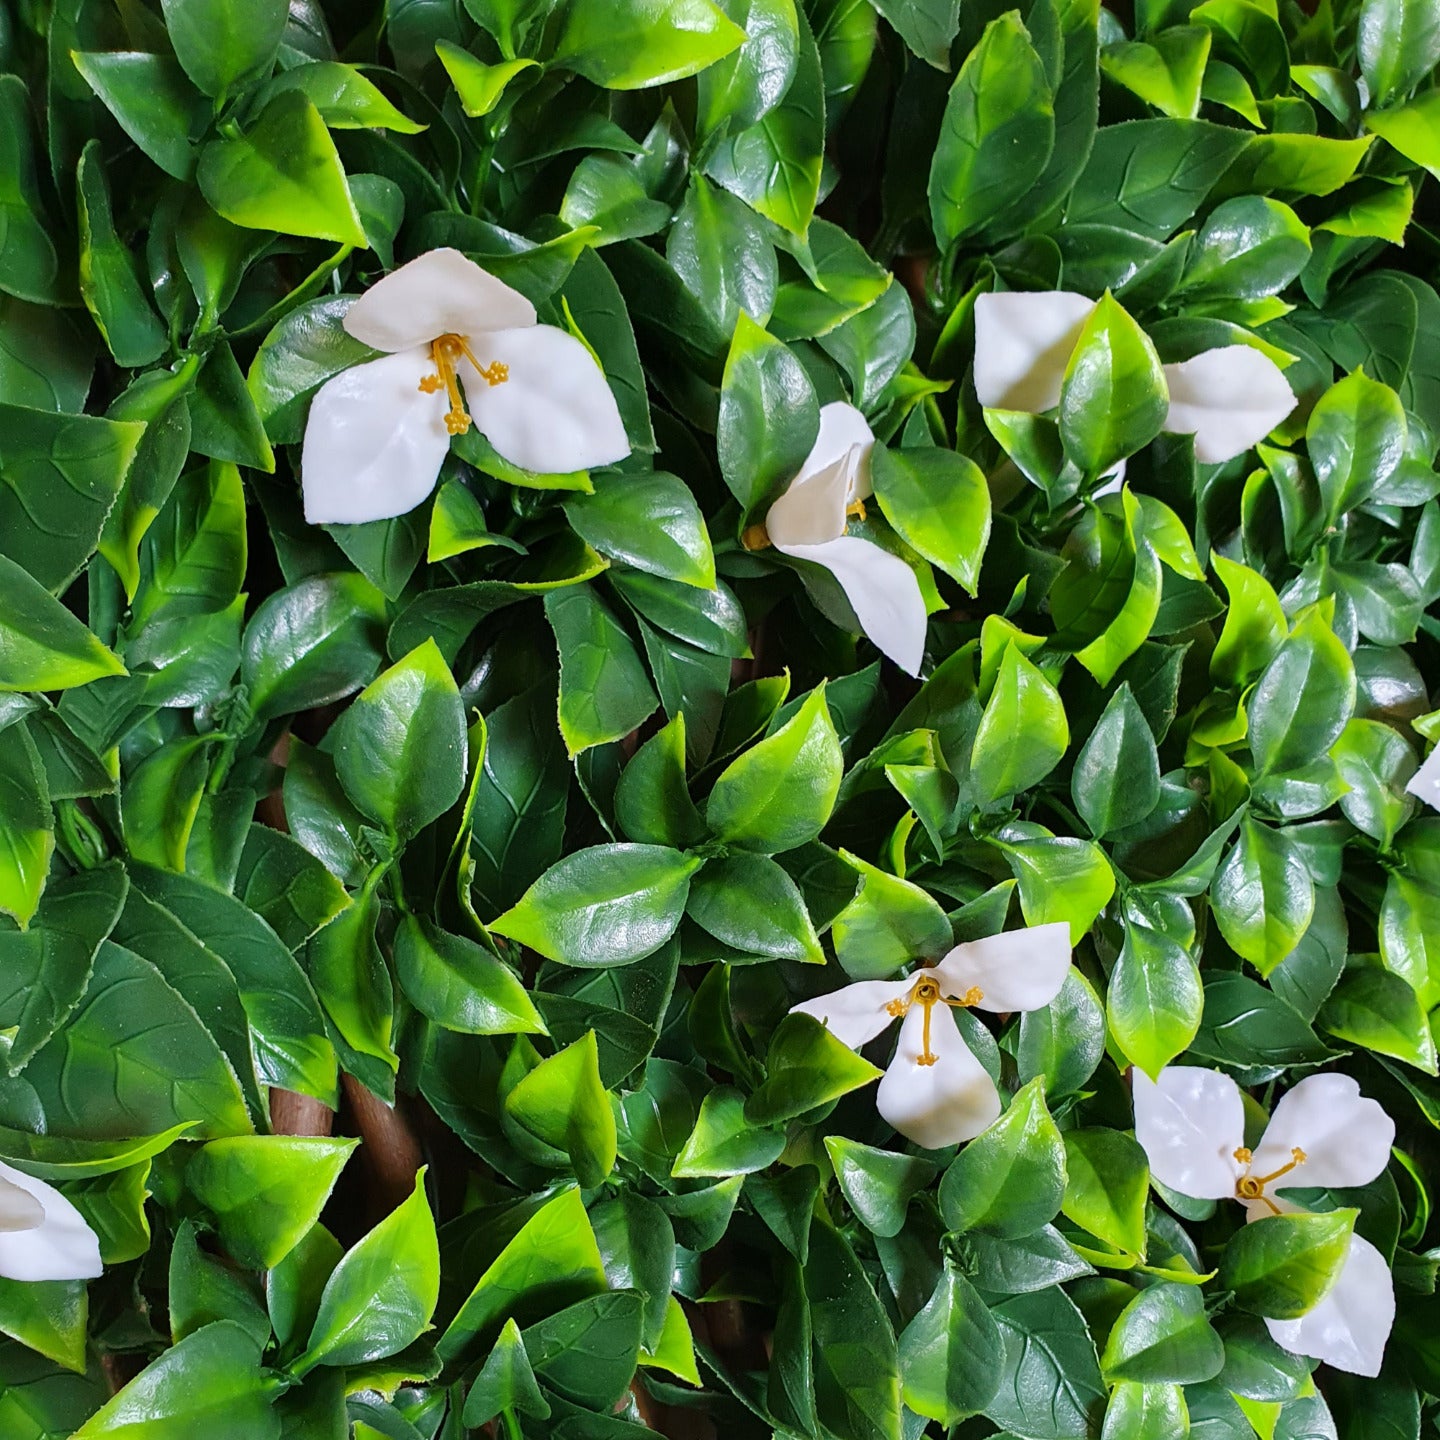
{"type": "Point", "coordinates": [391, 1154]}
{"type": "Point", "coordinates": [294, 1114]}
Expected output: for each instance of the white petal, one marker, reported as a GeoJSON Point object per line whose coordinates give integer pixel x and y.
{"type": "Point", "coordinates": [374, 441]}
{"type": "Point", "coordinates": [1015, 970]}
{"type": "Point", "coordinates": [555, 413]}
{"type": "Point", "coordinates": [1022, 345]}
{"type": "Point", "coordinates": [1425, 782]}
{"type": "Point", "coordinates": [1346, 1137]}
{"type": "Point", "coordinates": [1190, 1122]}
{"type": "Point", "coordinates": [843, 428]}
{"type": "Point", "coordinates": [940, 1104]}
{"type": "Point", "coordinates": [19, 1209]}
{"type": "Point", "coordinates": [1349, 1327]}
{"type": "Point", "coordinates": [882, 591]}
{"type": "Point", "coordinates": [812, 510]}
{"type": "Point", "coordinates": [62, 1247]}
{"type": "Point", "coordinates": [857, 1013]}
{"type": "Point", "coordinates": [438, 293]}
{"type": "Point", "coordinates": [1228, 399]}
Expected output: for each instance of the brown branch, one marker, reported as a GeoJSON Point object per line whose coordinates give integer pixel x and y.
{"type": "Point", "coordinates": [294, 1114]}
{"type": "Point", "coordinates": [391, 1153]}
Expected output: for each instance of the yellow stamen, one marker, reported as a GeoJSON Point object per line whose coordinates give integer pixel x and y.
{"type": "Point", "coordinates": [445, 351]}
{"type": "Point", "coordinates": [755, 537]}
{"type": "Point", "coordinates": [926, 991]}
{"type": "Point", "coordinates": [1252, 1187]}
{"type": "Point", "coordinates": [857, 509]}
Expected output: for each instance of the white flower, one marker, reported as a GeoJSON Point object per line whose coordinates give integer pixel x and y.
{"type": "Point", "coordinates": [1191, 1124]}
{"type": "Point", "coordinates": [808, 521]}
{"type": "Point", "coordinates": [935, 1092]}
{"type": "Point", "coordinates": [455, 335]}
{"type": "Point", "coordinates": [42, 1235]}
{"type": "Point", "coordinates": [1228, 398]}
{"type": "Point", "coordinates": [1424, 784]}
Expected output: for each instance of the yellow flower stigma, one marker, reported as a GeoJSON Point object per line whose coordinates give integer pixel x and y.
{"type": "Point", "coordinates": [1252, 1187]}
{"type": "Point", "coordinates": [445, 351]}
{"type": "Point", "coordinates": [926, 991]}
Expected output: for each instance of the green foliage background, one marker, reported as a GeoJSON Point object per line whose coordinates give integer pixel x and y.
{"type": "Point", "coordinates": [535, 809]}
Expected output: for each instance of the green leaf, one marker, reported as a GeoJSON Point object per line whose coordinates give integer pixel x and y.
{"type": "Point", "coordinates": [718, 246]}
{"type": "Point", "coordinates": [629, 44]}
{"type": "Point", "coordinates": [1165, 70]}
{"type": "Point", "coordinates": [769, 417]}
{"type": "Point", "coordinates": [1114, 399]}
{"type": "Point", "coordinates": [1163, 1337]}
{"type": "Point", "coordinates": [110, 280]}
{"type": "Point", "coordinates": [1150, 176]}
{"type": "Point", "coordinates": [459, 984]}
{"type": "Point", "coordinates": [1248, 248]}
{"type": "Point", "coordinates": [505, 1382]}
{"type": "Point", "coordinates": [1398, 45]}
{"type": "Point", "coordinates": [104, 1057]}
{"type": "Point", "coordinates": [1010, 1180]}
{"type": "Point", "coordinates": [650, 521]}
{"type": "Point", "coordinates": [1155, 999]}
{"type": "Point", "coordinates": [1061, 878]}
{"type": "Point", "coordinates": [1107, 1182]}
{"type": "Point", "coordinates": [479, 86]}
{"type": "Point", "coordinates": [382, 1294]}
{"type": "Point", "coordinates": [1356, 436]}
{"type": "Point", "coordinates": [1410, 129]}
{"type": "Point", "coordinates": [939, 504]}
{"type": "Point", "coordinates": [153, 101]}
{"type": "Point", "coordinates": [344, 97]}
{"type": "Point", "coordinates": [1255, 624]}
{"type": "Point", "coordinates": [1116, 779]}
{"type": "Point", "coordinates": [562, 1101]}
{"type": "Point", "coordinates": [210, 1383]}
{"type": "Point", "coordinates": [1063, 1041]}
{"type": "Point", "coordinates": [203, 1290]}
{"type": "Point", "coordinates": [588, 1351]}
{"type": "Point", "coordinates": [27, 828]}
{"type": "Point", "coordinates": [1023, 732]}
{"type": "Point", "coordinates": [889, 923]}
{"type": "Point", "coordinates": [1146, 1412]}
{"type": "Point", "coordinates": [857, 1370]}
{"type": "Point", "coordinates": [878, 1184]}
{"type": "Point", "coordinates": [1377, 1010]}
{"type": "Point", "coordinates": [1050, 1385]}
{"type": "Point", "coordinates": [775, 165]}
{"type": "Point", "coordinates": [30, 268]}
{"type": "Point", "coordinates": [42, 645]}
{"type": "Point", "coordinates": [224, 44]}
{"type": "Point", "coordinates": [950, 1353]}
{"type": "Point", "coordinates": [604, 690]}
{"type": "Point", "coordinates": [1281, 1265]}
{"type": "Point", "coordinates": [266, 1191]}
{"type": "Point", "coordinates": [542, 1258]}
{"type": "Point", "coordinates": [748, 83]}
{"type": "Point", "coordinates": [751, 905]}
{"type": "Point", "coordinates": [1263, 895]}
{"type": "Point", "coordinates": [312, 643]}
{"type": "Point", "coordinates": [282, 175]}
{"type": "Point", "coordinates": [352, 979]}
{"type": "Point", "coordinates": [778, 794]}
{"type": "Point", "coordinates": [400, 749]}
{"type": "Point", "coordinates": [996, 135]}
{"type": "Point", "coordinates": [805, 1067]}
{"type": "Point", "coordinates": [606, 905]}
{"type": "Point", "coordinates": [723, 1142]}
{"type": "Point", "coordinates": [638, 1247]}
{"type": "Point", "coordinates": [47, 1316]}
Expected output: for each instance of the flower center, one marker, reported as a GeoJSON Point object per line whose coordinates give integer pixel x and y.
{"type": "Point", "coordinates": [926, 991]}
{"type": "Point", "coordinates": [1252, 1187]}
{"type": "Point", "coordinates": [445, 351]}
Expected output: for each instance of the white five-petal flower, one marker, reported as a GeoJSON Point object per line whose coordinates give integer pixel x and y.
{"type": "Point", "coordinates": [1191, 1124]}
{"type": "Point", "coordinates": [1228, 398]}
{"type": "Point", "coordinates": [808, 521]}
{"type": "Point", "coordinates": [454, 336]}
{"type": "Point", "coordinates": [1424, 784]}
{"type": "Point", "coordinates": [42, 1235]}
{"type": "Point", "coordinates": [934, 1091]}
